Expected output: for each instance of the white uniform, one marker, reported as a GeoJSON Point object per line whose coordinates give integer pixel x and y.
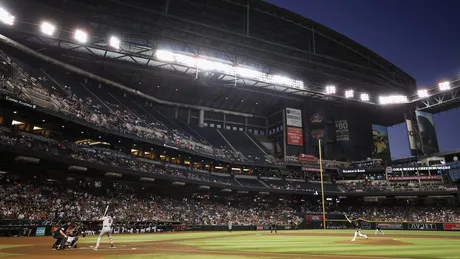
{"type": "Point", "coordinates": [107, 223]}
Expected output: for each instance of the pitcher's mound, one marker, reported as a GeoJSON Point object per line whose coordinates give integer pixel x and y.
{"type": "Point", "coordinates": [376, 241]}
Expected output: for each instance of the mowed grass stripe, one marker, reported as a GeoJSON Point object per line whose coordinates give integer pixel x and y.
{"type": "Point", "coordinates": [163, 236]}
{"type": "Point", "coordinates": [421, 248]}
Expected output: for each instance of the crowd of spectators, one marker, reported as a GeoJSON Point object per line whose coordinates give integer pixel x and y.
{"type": "Point", "coordinates": [392, 186]}
{"type": "Point", "coordinates": [374, 212]}
{"type": "Point", "coordinates": [103, 156]}
{"type": "Point", "coordinates": [104, 114]}
{"type": "Point", "coordinates": [85, 201]}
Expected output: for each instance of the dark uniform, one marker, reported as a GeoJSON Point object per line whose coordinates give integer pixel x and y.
{"type": "Point", "coordinates": [358, 225]}
{"type": "Point", "coordinates": [74, 232]}
{"type": "Point", "coordinates": [273, 227]}
{"type": "Point", "coordinates": [379, 229]}
{"type": "Point", "coordinates": [59, 235]}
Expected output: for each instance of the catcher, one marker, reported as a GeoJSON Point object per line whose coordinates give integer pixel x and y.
{"type": "Point", "coordinates": [72, 237]}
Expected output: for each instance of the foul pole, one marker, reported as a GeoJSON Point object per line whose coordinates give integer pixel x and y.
{"type": "Point", "coordinates": [322, 183]}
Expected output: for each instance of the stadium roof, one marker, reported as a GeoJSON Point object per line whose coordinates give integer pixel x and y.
{"type": "Point", "coordinates": [253, 34]}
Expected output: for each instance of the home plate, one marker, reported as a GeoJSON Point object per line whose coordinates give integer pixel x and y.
{"type": "Point", "coordinates": [133, 248]}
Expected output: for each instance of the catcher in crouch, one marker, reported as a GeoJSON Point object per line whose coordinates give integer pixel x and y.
{"type": "Point", "coordinates": [357, 223]}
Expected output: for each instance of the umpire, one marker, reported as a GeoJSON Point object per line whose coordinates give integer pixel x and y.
{"type": "Point", "coordinates": [60, 235]}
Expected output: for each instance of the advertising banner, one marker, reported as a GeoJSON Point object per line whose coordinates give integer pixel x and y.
{"type": "Point", "coordinates": [260, 227]}
{"type": "Point", "coordinates": [294, 136]}
{"type": "Point", "coordinates": [341, 131]}
{"type": "Point", "coordinates": [427, 131]}
{"type": "Point", "coordinates": [317, 125]}
{"type": "Point", "coordinates": [390, 225]}
{"type": "Point", "coordinates": [21, 102]}
{"type": "Point", "coordinates": [421, 168]}
{"type": "Point", "coordinates": [40, 231]}
{"type": "Point", "coordinates": [313, 218]}
{"type": "Point", "coordinates": [405, 178]}
{"type": "Point", "coordinates": [451, 226]}
{"type": "Point", "coordinates": [414, 139]}
{"type": "Point", "coordinates": [381, 142]}
{"type": "Point", "coordinates": [365, 225]}
{"type": "Point", "coordinates": [422, 226]}
{"type": "Point", "coordinates": [310, 169]}
{"type": "Point", "coordinates": [293, 117]}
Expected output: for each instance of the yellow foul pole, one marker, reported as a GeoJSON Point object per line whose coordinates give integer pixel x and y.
{"type": "Point", "coordinates": [322, 183]}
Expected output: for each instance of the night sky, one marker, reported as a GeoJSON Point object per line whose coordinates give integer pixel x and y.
{"type": "Point", "coordinates": [419, 36]}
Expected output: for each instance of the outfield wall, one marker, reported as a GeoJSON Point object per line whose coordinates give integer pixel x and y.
{"type": "Point", "coordinates": [37, 230]}
{"type": "Point", "coordinates": [424, 226]}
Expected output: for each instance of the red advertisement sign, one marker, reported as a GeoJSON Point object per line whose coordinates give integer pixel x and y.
{"type": "Point", "coordinates": [427, 177]}
{"type": "Point", "coordinates": [451, 226]}
{"type": "Point", "coordinates": [260, 228]}
{"type": "Point", "coordinates": [294, 136]}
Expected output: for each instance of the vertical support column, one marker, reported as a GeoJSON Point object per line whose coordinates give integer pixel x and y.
{"type": "Point", "coordinates": [247, 18]}
{"type": "Point", "coordinates": [176, 113]}
{"type": "Point", "coordinates": [284, 133]}
{"type": "Point", "coordinates": [314, 43]}
{"type": "Point", "coordinates": [201, 119]}
{"type": "Point", "coordinates": [225, 121]}
{"type": "Point", "coordinates": [245, 124]}
{"type": "Point", "coordinates": [188, 116]}
{"type": "Point", "coordinates": [266, 126]}
{"type": "Point", "coordinates": [166, 6]}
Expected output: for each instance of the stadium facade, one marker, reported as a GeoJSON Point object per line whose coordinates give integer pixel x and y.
{"type": "Point", "coordinates": [191, 98]}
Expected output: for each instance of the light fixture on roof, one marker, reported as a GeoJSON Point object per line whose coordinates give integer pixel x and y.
{"type": "Point", "coordinates": [422, 93]}
{"type": "Point", "coordinates": [6, 17]}
{"type": "Point", "coordinates": [47, 28]}
{"type": "Point", "coordinates": [393, 99]}
{"type": "Point", "coordinates": [330, 89]}
{"type": "Point", "coordinates": [114, 42]}
{"type": "Point", "coordinates": [365, 97]}
{"type": "Point", "coordinates": [81, 36]}
{"type": "Point", "coordinates": [349, 94]}
{"type": "Point", "coordinates": [444, 86]}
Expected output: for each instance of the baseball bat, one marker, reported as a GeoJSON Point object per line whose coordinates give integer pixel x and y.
{"type": "Point", "coordinates": [106, 209]}
{"type": "Point", "coordinates": [347, 218]}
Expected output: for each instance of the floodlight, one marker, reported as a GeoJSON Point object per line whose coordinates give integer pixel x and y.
{"type": "Point", "coordinates": [6, 17]}
{"type": "Point", "coordinates": [365, 97]}
{"type": "Point", "coordinates": [165, 55]}
{"type": "Point", "coordinates": [114, 42]}
{"type": "Point", "coordinates": [444, 86]}
{"type": "Point", "coordinates": [330, 89]}
{"type": "Point", "coordinates": [422, 93]}
{"type": "Point", "coordinates": [349, 94]}
{"type": "Point", "coordinates": [81, 36]}
{"type": "Point", "coordinates": [48, 28]}
{"type": "Point", "coordinates": [393, 99]}
{"type": "Point", "coordinates": [247, 72]}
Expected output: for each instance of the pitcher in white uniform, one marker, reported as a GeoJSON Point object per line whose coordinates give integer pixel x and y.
{"type": "Point", "coordinates": [107, 223]}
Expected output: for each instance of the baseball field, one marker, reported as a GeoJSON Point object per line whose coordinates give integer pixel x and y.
{"type": "Point", "coordinates": [314, 244]}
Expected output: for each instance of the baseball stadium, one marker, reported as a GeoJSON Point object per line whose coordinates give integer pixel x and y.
{"type": "Point", "coordinates": [212, 129]}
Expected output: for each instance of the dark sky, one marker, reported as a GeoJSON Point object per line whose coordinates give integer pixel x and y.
{"type": "Point", "coordinates": [419, 36]}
